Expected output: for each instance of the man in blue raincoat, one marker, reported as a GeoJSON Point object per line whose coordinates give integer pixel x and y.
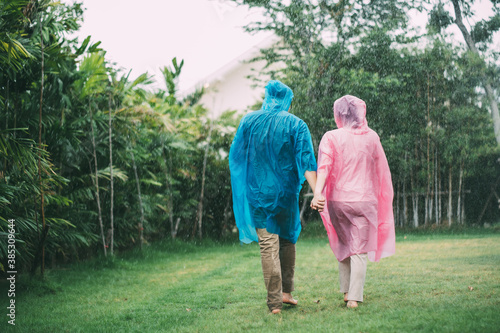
{"type": "Point", "coordinates": [270, 157]}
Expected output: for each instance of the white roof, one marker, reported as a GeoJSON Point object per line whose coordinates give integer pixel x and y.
{"type": "Point", "coordinates": [220, 73]}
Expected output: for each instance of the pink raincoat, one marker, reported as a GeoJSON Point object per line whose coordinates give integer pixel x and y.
{"type": "Point", "coordinates": [358, 214]}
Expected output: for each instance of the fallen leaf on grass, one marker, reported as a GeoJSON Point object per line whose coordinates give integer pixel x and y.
{"type": "Point", "coordinates": [188, 309]}
{"type": "Point", "coordinates": [470, 288]}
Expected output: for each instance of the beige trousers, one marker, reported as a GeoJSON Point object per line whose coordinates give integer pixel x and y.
{"type": "Point", "coordinates": [352, 273]}
{"type": "Point", "coordinates": [278, 265]}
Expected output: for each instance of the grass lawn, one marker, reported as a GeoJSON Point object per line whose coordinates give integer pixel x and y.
{"type": "Point", "coordinates": [434, 283]}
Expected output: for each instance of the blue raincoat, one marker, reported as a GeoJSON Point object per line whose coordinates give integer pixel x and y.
{"type": "Point", "coordinates": [270, 153]}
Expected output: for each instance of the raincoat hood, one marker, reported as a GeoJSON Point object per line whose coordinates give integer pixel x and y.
{"type": "Point", "coordinates": [270, 153]}
{"type": "Point", "coordinates": [350, 114]}
{"type": "Point", "coordinates": [278, 97]}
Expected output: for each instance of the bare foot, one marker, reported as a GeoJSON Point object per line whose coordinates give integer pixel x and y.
{"type": "Point", "coordinates": [288, 299]}
{"type": "Point", "coordinates": [352, 304]}
{"type": "Point", "coordinates": [345, 297]}
{"type": "Point", "coordinates": [276, 311]}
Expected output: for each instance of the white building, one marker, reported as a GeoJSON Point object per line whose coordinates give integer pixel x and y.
{"type": "Point", "coordinates": [230, 88]}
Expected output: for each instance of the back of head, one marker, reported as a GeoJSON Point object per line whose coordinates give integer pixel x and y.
{"type": "Point", "coordinates": [278, 97]}
{"type": "Point", "coordinates": [350, 113]}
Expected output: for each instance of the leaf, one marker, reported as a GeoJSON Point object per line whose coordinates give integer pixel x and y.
{"type": "Point", "coordinates": [117, 174]}
{"type": "Point", "coordinates": [95, 47]}
{"type": "Point", "coordinates": [151, 182]}
{"type": "Point", "coordinates": [83, 47]}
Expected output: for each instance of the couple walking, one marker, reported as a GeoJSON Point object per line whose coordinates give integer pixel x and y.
{"type": "Point", "coordinates": [270, 158]}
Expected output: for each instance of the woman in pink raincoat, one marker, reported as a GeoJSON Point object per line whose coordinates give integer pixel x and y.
{"type": "Point", "coordinates": [355, 180]}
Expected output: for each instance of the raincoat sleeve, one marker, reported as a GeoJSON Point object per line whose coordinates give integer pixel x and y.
{"type": "Point", "coordinates": [386, 234]}
{"type": "Point", "coordinates": [326, 155]}
{"type": "Point", "coordinates": [238, 169]}
{"type": "Point", "coordinates": [304, 151]}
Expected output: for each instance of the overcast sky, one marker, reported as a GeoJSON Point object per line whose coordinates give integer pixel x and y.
{"type": "Point", "coordinates": [144, 35]}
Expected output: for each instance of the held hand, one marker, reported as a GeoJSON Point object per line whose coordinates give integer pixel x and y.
{"type": "Point", "coordinates": [318, 203]}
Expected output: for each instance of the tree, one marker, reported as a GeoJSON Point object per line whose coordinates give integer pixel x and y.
{"type": "Point", "coordinates": [117, 162]}
{"type": "Point", "coordinates": [478, 38]}
{"type": "Point", "coordinates": [32, 51]}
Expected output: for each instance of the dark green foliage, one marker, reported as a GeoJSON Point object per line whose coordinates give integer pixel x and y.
{"type": "Point", "coordinates": [165, 134]}
{"type": "Point", "coordinates": [483, 31]}
{"type": "Point", "coordinates": [439, 18]}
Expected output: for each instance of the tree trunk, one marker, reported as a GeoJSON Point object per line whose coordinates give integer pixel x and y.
{"type": "Point", "coordinates": [170, 202]}
{"type": "Point", "coordinates": [450, 197]}
{"type": "Point", "coordinates": [459, 199]}
{"type": "Point", "coordinates": [174, 231]}
{"type": "Point", "coordinates": [7, 99]}
{"type": "Point", "coordinates": [428, 188]}
{"type": "Point", "coordinates": [462, 215]}
{"type": "Point", "coordinates": [96, 182]}
{"type": "Point", "coordinates": [414, 201]}
{"type": "Point", "coordinates": [405, 206]}
{"type": "Point", "coordinates": [39, 253]}
{"type": "Point", "coordinates": [431, 207]}
{"type": "Point", "coordinates": [42, 197]}
{"type": "Point", "coordinates": [111, 182]}
{"type": "Point", "coordinates": [398, 212]}
{"type": "Point", "coordinates": [414, 197]}
{"type": "Point", "coordinates": [202, 193]}
{"type": "Point", "coordinates": [171, 196]}
{"type": "Point", "coordinates": [137, 183]}
{"type": "Point", "coordinates": [405, 199]}
{"type": "Point", "coordinates": [438, 191]}
{"type": "Point", "coordinates": [227, 212]}
{"type": "Point", "coordinates": [487, 87]}
{"type": "Point", "coordinates": [304, 206]}
{"type": "Point", "coordinates": [426, 208]}
{"type": "Point", "coordinates": [414, 194]}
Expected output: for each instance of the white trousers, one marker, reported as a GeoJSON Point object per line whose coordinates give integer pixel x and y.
{"type": "Point", "coordinates": [352, 273]}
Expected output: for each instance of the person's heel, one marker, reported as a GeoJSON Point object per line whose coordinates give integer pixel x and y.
{"type": "Point", "coordinates": [352, 304]}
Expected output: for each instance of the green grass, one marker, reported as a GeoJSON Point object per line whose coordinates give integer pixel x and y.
{"type": "Point", "coordinates": [179, 287]}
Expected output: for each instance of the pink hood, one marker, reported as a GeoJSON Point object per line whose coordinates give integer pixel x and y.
{"type": "Point", "coordinates": [350, 114]}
